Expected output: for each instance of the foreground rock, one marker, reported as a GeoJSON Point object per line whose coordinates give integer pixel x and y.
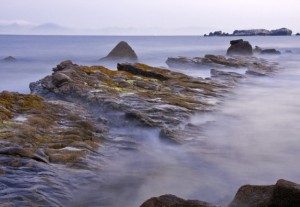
{"type": "Point", "coordinates": [173, 201]}
{"type": "Point", "coordinates": [239, 47]}
{"type": "Point", "coordinates": [283, 193]}
{"type": "Point", "coordinates": [121, 52]}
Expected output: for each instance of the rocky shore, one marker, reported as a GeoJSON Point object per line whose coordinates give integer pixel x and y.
{"type": "Point", "coordinates": [70, 114]}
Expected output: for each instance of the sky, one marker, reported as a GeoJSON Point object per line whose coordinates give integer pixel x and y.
{"type": "Point", "coordinates": [148, 16]}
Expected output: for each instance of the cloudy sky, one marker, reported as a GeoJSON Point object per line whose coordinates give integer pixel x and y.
{"type": "Point", "coordinates": [150, 16]}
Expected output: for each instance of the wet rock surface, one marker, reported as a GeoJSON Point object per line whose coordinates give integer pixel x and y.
{"type": "Point", "coordinates": [36, 134]}
{"type": "Point", "coordinates": [121, 52]}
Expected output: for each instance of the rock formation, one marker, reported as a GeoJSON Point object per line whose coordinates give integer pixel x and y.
{"type": "Point", "coordinates": [121, 52]}
{"type": "Point", "coordinates": [298, 34]}
{"type": "Point", "coordinates": [239, 47]}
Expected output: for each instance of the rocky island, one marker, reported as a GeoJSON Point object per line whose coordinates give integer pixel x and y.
{"type": "Point", "coordinates": [254, 32]}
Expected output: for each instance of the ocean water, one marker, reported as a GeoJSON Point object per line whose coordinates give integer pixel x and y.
{"type": "Point", "coordinates": [253, 137]}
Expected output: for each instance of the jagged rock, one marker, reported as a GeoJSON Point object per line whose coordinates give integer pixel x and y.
{"type": "Point", "coordinates": [121, 52]}
{"type": "Point", "coordinates": [239, 47]}
{"type": "Point", "coordinates": [10, 59]}
{"type": "Point", "coordinates": [270, 52]}
{"type": "Point", "coordinates": [173, 201]}
{"type": "Point", "coordinates": [284, 193]}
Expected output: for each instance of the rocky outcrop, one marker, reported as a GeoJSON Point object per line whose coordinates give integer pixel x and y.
{"type": "Point", "coordinates": [283, 193]}
{"type": "Point", "coordinates": [121, 52]}
{"type": "Point", "coordinates": [10, 59]}
{"type": "Point", "coordinates": [173, 201]}
{"type": "Point", "coordinates": [253, 64]}
{"type": "Point", "coordinates": [138, 93]}
{"type": "Point", "coordinates": [239, 47]}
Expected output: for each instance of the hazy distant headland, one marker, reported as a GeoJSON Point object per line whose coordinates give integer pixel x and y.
{"type": "Point", "coordinates": [254, 32]}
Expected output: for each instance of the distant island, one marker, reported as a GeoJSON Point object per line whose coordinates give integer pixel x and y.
{"type": "Point", "coordinates": [253, 32]}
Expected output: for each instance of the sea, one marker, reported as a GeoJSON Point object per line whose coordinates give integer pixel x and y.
{"type": "Point", "coordinates": [254, 138]}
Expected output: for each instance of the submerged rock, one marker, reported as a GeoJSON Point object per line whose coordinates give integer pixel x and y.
{"type": "Point", "coordinates": [10, 59]}
{"type": "Point", "coordinates": [239, 47]}
{"type": "Point", "coordinates": [121, 52]}
{"type": "Point", "coordinates": [174, 201]}
{"type": "Point", "coordinates": [270, 52]}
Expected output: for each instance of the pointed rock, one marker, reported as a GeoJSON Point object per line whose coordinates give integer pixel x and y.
{"type": "Point", "coordinates": [122, 52]}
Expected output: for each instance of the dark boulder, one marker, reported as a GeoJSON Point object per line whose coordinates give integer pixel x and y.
{"type": "Point", "coordinates": [239, 47]}
{"type": "Point", "coordinates": [173, 201]}
{"type": "Point", "coordinates": [283, 193]}
{"type": "Point", "coordinates": [121, 52]}
{"type": "Point", "coordinates": [10, 59]}
{"type": "Point", "coordinates": [298, 34]}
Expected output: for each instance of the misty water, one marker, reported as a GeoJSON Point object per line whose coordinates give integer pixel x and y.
{"type": "Point", "coordinates": [253, 136]}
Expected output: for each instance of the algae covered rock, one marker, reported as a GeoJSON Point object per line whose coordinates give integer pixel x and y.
{"type": "Point", "coordinates": [121, 52]}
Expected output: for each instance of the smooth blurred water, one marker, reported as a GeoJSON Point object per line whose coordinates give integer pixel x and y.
{"type": "Point", "coordinates": [253, 137]}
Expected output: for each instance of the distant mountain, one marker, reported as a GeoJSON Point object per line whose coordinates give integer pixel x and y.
{"type": "Point", "coordinates": [50, 28]}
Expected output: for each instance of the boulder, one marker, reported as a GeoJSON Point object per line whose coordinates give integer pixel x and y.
{"type": "Point", "coordinates": [121, 52]}
{"type": "Point", "coordinates": [10, 59]}
{"type": "Point", "coordinates": [239, 47]}
{"type": "Point", "coordinates": [283, 193]}
{"type": "Point", "coordinates": [174, 201]}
